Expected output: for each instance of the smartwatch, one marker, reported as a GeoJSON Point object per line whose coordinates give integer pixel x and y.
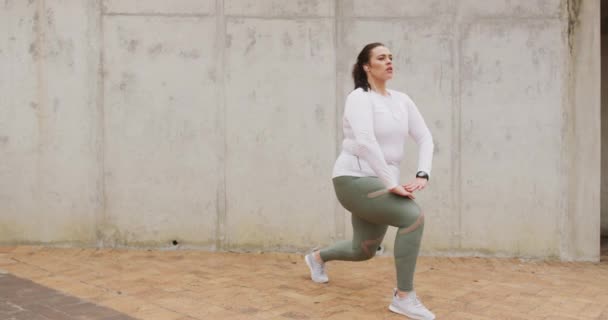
{"type": "Point", "coordinates": [423, 175]}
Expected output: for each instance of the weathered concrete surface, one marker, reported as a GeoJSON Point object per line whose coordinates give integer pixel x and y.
{"type": "Point", "coordinates": [604, 98]}
{"type": "Point", "coordinates": [279, 8]}
{"type": "Point", "coordinates": [580, 227]}
{"type": "Point", "coordinates": [49, 166]}
{"type": "Point", "coordinates": [162, 143]}
{"type": "Point", "coordinates": [511, 135]}
{"type": "Point", "coordinates": [513, 8]}
{"type": "Point", "coordinates": [278, 187]}
{"type": "Point", "coordinates": [216, 123]}
{"type": "Point", "coordinates": [396, 9]}
{"type": "Point", "coordinates": [19, 146]}
{"type": "Point", "coordinates": [160, 7]}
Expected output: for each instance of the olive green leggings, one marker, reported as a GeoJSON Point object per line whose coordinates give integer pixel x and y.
{"type": "Point", "coordinates": [371, 216]}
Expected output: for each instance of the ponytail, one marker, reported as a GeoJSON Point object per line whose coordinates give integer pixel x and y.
{"type": "Point", "coordinates": [359, 75]}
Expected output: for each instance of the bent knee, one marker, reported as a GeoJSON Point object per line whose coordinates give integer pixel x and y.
{"type": "Point", "coordinates": [362, 255]}
{"type": "Point", "coordinates": [410, 215]}
{"type": "Point", "coordinates": [414, 222]}
{"type": "Point", "coordinates": [366, 250]}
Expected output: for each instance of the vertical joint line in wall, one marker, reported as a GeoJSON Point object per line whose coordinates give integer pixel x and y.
{"type": "Point", "coordinates": [338, 214]}
{"type": "Point", "coordinates": [569, 149]}
{"type": "Point", "coordinates": [101, 140]}
{"type": "Point", "coordinates": [39, 23]}
{"type": "Point", "coordinates": [457, 122]}
{"type": "Point", "coordinates": [221, 218]}
{"type": "Point", "coordinates": [336, 91]}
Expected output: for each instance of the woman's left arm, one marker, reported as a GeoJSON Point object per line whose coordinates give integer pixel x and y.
{"type": "Point", "coordinates": [419, 131]}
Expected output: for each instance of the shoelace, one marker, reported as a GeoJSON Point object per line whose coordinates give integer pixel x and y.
{"type": "Point", "coordinates": [415, 301]}
{"type": "Point", "coordinates": [319, 267]}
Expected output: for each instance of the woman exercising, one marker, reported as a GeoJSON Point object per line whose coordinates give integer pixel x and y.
{"type": "Point", "coordinates": [376, 122]}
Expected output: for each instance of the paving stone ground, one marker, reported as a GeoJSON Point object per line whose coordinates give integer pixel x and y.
{"type": "Point", "coordinates": [73, 283]}
{"type": "Point", "coordinates": [22, 299]}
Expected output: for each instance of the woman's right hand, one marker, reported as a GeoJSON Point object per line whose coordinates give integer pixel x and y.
{"type": "Point", "coordinates": [400, 191]}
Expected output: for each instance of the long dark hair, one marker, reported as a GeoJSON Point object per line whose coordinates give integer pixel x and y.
{"type": "Point", "coordinates": [359, 75]}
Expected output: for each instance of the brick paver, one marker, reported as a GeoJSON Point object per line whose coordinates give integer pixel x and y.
{"type": "Point", "coordinates": [188, 285]}
{"type": "Point", "coordinates": [22, 299]}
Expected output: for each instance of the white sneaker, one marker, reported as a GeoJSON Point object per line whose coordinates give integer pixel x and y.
{"type": "Point", "coordinates": [410, 306]}
{"type": "Point", "coordinates": [317, 270]}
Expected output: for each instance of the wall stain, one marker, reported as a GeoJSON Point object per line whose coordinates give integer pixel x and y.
{"type": "Point", "coordinates": [50, 17]}
{"type": "Point", "coordinates": [228, 41]}
{"type": "Point", "coordinates": [127, 80]}
{"type": "Point", "coordinates": [33, 50]}
{"type": "Point", "coordinates": [155, 50]}
{"type": "Point", "coordinates": [252, 40]}
{"type": "Point", "coordinates": [308, 6]}
{"type": "Point", "coordinates": [319, 114]}
{"type": "Point", "coordinates": [132, 45]}
{"type": "Point", "coordinates": [574, 9]}
{"type": "Point", "coordinates": [113, 236]}
{"type": "Point", "coordinates": [36, 25]}
{"type": "Point", "coordinates": [212, 75]}
{"type": "Point", "coordinates": [55, 105]}
{"type": "Point", "coordinates": [287, 40]}
{"type": "Point", "coordinates": [190, 54]}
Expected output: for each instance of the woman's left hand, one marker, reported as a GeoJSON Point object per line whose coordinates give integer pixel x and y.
{"type": "Point", "coordinates": [416, 185]}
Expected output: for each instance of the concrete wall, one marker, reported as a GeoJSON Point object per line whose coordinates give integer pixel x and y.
{"type": "Point", "coordinates": [50, 167]}
{"type": "Point", "coordinates": [216, 123]}
{"type": "Point", "coordinates": [604, 98]}
{"type": "Point", "coordinates": [580, 226]}
{"type": "Point", "coordinates": [162, 143]}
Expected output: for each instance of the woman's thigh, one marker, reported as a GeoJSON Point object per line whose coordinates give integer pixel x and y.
{"type": "Point", "coordinates": [363, 197]}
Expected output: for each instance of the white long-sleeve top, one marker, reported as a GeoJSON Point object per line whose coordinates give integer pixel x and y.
{"type": "Point", "coordinates": [375, 128]}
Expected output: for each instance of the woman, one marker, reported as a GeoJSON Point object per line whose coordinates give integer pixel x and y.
{"type": "Point", "coordinates": [376, 123]}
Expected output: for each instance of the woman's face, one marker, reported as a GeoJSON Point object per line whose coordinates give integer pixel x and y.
{"type": "Point", "coordinates": [380, 66]}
